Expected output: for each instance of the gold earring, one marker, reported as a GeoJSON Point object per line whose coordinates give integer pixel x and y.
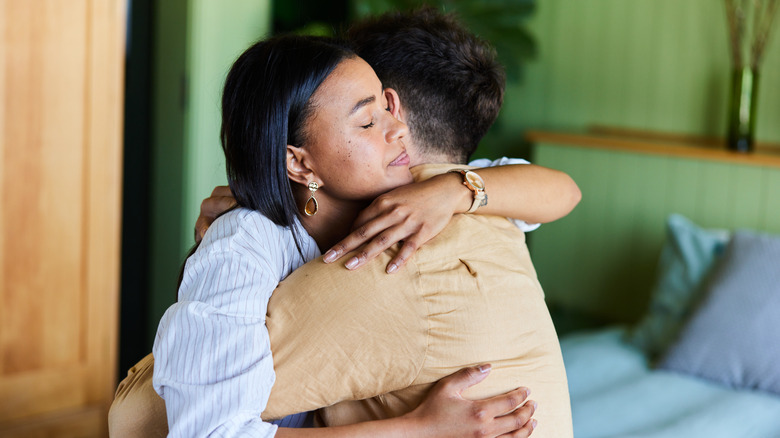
{"type": "Point", "coordinates": [311, 207]}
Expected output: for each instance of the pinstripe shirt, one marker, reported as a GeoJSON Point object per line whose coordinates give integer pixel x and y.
{"type": "Point", "coordinates": [213, 363]}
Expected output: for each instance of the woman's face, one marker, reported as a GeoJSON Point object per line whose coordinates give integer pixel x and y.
{"type": "Point", "coordinates": [354, 141]}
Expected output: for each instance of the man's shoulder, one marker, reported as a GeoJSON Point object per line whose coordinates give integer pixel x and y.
{"type": "Point", "coordinates": [335, 276]}
{"type": "Point", "coordinates": [467, 233]}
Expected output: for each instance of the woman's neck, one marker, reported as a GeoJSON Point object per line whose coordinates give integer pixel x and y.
{"type": "Point", "coordinates": [332, 222]}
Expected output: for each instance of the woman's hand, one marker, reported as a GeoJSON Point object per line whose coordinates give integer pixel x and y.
{"type": "Point", "coordinates": [413, 213]}
{"type": "Point", "coordinates": [220, 201]}
{"type": "Point", "coordinates": [445, 413]}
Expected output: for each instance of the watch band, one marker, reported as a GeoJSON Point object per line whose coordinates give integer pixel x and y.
{"type": "Point", "coordinates": [476, 184]}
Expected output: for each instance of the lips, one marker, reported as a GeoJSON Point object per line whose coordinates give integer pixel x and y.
{"type": "Point", "coordinates": [401, 160]}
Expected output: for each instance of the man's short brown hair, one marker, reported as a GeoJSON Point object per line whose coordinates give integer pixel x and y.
{"type": "Point", "coordinates": [448, 79]}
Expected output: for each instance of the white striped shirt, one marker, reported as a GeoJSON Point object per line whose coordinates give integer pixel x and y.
{"type": "Point", "coordinates": [213, 363]}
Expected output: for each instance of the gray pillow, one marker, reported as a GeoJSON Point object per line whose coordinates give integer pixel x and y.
{"type": "Point", "coordinates": [688, 255]}
{"type": "Point", "coordinates": [734, 337]}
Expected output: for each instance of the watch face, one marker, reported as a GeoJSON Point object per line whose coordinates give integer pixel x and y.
{"type": "Point", "coordinates": [475, 180]}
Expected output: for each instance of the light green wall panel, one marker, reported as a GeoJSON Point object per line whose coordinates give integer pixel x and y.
{"type": "Point", "coordinates": [219, 32]}
{"type": "Point", "coordinates": [196, 43]}
{"type": "Point", "coordinates": [601, 258]}
{"type": "Point", "coordinates": [660, 65]}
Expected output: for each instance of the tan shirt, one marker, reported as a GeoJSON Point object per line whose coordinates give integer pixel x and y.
{"type": "Point", "coordinates": [467, 297]}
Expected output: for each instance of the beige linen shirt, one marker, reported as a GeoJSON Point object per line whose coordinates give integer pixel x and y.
{"type": "Point", "coordinates": [469, 296]}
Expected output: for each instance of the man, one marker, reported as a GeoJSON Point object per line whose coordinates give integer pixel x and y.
{"type": "Point", "coordinates": [469, 296]}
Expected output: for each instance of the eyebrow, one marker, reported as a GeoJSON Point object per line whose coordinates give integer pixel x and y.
{"type": "Point", "coordinates": [364, 102]}
{"type": "Point", "coordinates": [361, 104]}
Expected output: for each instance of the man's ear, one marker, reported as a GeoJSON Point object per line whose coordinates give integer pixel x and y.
{"type": "Point", "coordinates": [298, 169]}
{"type": "Point", "coordinates": [394, 103]}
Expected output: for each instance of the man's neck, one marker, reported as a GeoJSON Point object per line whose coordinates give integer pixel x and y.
{"type": "Point", "coordinates": [431, 158]}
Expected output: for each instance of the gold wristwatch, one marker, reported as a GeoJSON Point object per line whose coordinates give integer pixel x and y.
{"type": "Point", "coordinates": [476, 184]}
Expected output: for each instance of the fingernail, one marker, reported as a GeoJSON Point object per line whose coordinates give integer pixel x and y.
{"type": "Point", "coordinates": [330, 256]}
{"type": "Point", "coordinates": [534, 404]}
{"type": "Point", "coordinates": [352, 263]}
{"type": "Point", "coordinates": [527, 392]}
{"type": "Point", "coordinates": [484, 368]}
{"type": "Point", "coordinates": [392, 267]}
{"type": "Point", "coordinates": [533, 424]}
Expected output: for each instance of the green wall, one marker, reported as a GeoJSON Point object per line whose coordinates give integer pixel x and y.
{"type": "Point", "coordinates": [645, 64]}
{"type": "Point", "coordinates": [196, 42]}
{"type": "Point", "coordinates": [600, 260]}
{"type": "Point", "coordinates": [658, 65]}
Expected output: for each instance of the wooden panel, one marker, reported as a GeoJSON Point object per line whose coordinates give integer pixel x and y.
{"type": "Point", "coordinates": [42, 184]}
{"type": "Point", "coordinates": [103, 190]}
{"type": "Point", "coordinates": [82, 422]}
{"type": "Point", "coordinates": [601, 259]}
{"type": "Point", "coordinates": [61, 116]}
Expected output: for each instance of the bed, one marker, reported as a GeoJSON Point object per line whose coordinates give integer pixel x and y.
{"type": "Point", "coordinates": [664, 284]}
{"type": "Point", "coordinates": [615, 393]}
{"type": "Point", "coordinates": [705, 359]}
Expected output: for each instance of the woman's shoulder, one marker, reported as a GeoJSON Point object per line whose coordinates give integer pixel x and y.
{"type": "Point", "coordinates": [241, 229]}
{"type": "Point", "coordinates": [247, 232]}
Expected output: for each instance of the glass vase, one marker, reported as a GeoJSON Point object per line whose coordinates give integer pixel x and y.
{"type": "Point", "coordinates": [742, 109]}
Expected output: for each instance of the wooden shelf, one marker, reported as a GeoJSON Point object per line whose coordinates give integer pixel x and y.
{"type": "Point", "coordinates": [659, 144]}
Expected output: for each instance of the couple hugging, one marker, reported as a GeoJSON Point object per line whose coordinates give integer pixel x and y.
{"type": "Point", "coordinates": [321, 137]}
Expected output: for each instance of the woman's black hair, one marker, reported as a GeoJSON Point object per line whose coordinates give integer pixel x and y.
{"type": "Point", "coordinates": [265, 105]}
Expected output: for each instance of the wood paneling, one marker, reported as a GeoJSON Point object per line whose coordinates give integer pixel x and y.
{"type": "Point", "coordinates": [61, 67]}
{"type": "Point", "coordinates": [601, 258]}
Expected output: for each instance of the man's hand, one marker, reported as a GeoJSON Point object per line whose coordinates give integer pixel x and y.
{"type": "Point", "coordinates": [449, 414]}
{"type": "Point", "coordinates": [414, 213]}
{"type": "Point", "coordinates": [220, 201]}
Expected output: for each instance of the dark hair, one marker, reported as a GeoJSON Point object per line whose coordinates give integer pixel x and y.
{"type": "Point", "coordinates": [265, 105]}
{"type": "Point", "coordinates": [448, 79]}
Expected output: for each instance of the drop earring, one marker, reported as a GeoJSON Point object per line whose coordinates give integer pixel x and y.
{"type": "Point", "coordinates": [311, 207]}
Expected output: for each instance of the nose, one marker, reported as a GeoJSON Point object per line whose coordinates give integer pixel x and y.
{"type": "Point", "coordinates": [396, 131]}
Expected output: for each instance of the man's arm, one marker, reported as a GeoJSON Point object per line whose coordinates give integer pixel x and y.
{"type": "Point", "coordinates": [451, 416]}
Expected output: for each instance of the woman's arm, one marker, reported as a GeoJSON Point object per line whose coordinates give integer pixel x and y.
{"type": "Point", "coordinates": [534, 194]}
{"type": "Point", "coordinates": [213, 343]}
{"type": "Point", "coordinates": [417, 212]}
{"type": "Point", "coordinates": [445, 413]}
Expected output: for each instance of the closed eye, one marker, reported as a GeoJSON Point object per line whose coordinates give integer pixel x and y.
{"type": "Point", "coordinates": [368, 126]}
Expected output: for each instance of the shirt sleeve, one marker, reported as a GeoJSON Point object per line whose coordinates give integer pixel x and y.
{"type": "Point", "coordinates": [504, 161]}
{"type": "Point", "coordinates": [212, 346]}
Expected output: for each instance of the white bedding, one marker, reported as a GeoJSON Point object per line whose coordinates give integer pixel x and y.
{"type": "Point", "coordinates": [614, 393]}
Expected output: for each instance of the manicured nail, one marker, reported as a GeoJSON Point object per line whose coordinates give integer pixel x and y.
{"type": "Point", "coordinates": [527, 392]}
{"type": "Point", "coordinates": [484, 368]}
{"type": "Point", "coordinates": [535, 405]}
{"type": "Point", "coordinates": [352, 263]}
{"type": "Point", "coordinates": [392, 267]}
{"type": "Point", "coordinates": [330, 256]}
{"type": "Point", "coordinates": [533, 424]}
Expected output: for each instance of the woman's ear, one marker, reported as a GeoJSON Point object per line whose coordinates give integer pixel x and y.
{"type": "Point", "coordinates": [298, 169]}
{"type": "Point", "coordinates": [393, 103]}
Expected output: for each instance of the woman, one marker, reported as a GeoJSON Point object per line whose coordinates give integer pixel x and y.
{"type": "Point", "coordinates": [310, 138]}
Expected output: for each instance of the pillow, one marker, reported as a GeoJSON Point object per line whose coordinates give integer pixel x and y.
{"type": "Point", "coordinates": [687, 256]}
{"type": "Point", "coordinates": [734, 337]}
